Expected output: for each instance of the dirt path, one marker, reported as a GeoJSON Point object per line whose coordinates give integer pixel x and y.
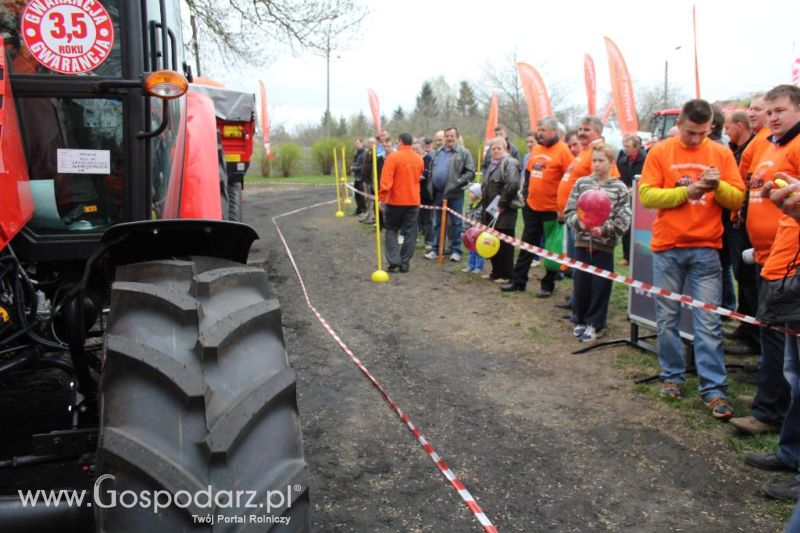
{"type": "Point", "coordinates": [544, 440]}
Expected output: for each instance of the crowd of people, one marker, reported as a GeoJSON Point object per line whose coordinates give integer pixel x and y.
{"type": "Point", "coordinates": [719, 217]}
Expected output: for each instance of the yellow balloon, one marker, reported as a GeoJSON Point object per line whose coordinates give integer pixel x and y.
{"type": "Point", "coordinates": [487, 245]}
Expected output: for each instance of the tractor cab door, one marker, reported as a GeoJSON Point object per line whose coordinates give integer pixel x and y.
{"type": "Point", "coordinates": [82, 112]}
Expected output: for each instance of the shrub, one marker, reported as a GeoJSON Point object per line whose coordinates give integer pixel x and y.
{"type": "Point", "coordinates": [322, 153]}
{"type": "Point", "coordinates": [287, 156]}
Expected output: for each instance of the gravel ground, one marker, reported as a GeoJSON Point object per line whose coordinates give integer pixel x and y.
{"type": "Point", "coordinates": [545, 440]}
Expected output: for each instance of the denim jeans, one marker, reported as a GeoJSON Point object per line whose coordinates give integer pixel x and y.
{"type": "Point", "coordinates": [454, 223]}
{"type": "Point", "coordinates": [700, 267]}
{"type": "Point", "coordinates": [789, 443]}
{"type": "Point", "coordinates": [475, 261]}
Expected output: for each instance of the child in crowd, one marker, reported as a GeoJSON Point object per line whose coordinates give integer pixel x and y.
{"type": "Point", "coordinates": [473, 212]}
{"type": "Point", "coordinates": [595, 245]}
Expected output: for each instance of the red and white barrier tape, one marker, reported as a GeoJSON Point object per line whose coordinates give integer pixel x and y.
{"type": "Point", "coordinates": [448, 473]}
{"type": "Point", "coordinates": [563, 259]}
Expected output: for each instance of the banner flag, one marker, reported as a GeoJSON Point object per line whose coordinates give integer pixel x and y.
{"type": "Point", "coordinates": [375, 107]}
{"type": "Point", "coordinates": [265, 119]}
{"type": "Point", "coordinates": [591, 84]}
{"type": "Point", "coordinates": [621, 90]}
{"type": "Point", "coordinates": [491, 120]}
{"type": "Point", "coordinates": [535, 93]}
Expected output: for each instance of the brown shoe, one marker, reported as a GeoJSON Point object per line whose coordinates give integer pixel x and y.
{"type": "Point", "coordinates": [752, 425]}
{"type": "Point", "coordinates": [719, 407]}
{"type": "Point", "coordinates": [623, 262]}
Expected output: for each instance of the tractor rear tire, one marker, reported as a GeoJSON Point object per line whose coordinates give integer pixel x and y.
{"type": "Point", "coordinates": [235, 201]}
{"type": "Point", "coordinates": [198, 401]}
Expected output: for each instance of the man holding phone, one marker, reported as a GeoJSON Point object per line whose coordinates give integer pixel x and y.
{"type": "Point", "coordinates": [689, 179]}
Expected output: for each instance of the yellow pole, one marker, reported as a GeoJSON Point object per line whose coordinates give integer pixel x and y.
{"type": "Point", "coordinates": [379, 276]}
{"type": "Point", "coordinates": [339, 212]}
{"type": "Point", "coordinates": [478, 173]}
{"type": "Point", "coordinates": [347, 200]}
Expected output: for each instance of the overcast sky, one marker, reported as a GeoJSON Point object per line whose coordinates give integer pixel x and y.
{"type": "Point", "coordinates": [743, 46]}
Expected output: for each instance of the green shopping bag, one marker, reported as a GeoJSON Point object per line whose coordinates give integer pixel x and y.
{"type": "Point", "coordinates": [553, 238]}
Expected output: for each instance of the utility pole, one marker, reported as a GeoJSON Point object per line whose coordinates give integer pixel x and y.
{"type": "Point", "coordinates": [328, 83]}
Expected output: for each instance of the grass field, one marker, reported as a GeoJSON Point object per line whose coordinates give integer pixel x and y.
{"type": "Point", "coordinates": [306, 180]}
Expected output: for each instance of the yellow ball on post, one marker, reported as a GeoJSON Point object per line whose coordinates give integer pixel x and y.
{"type": "Point", "coordinates": [340, 214]}
{"type": "Point", "coordinates": [487, 245]}
{"type": "Point", "coordinates": [380, 276]}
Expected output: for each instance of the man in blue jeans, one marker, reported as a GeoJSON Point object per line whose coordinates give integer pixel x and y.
{"type": "Point", "coordinates": [689, 179]}
{"type": "Point", "coordinates": [452, 171]}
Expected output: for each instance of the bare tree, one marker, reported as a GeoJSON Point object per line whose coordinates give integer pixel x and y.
{"type": "Point", "coordinates": [650, 98]}
{"type": "Point", "coordinates": [503, 79]}
{"type": "Point", "coordinates": [247, 31]}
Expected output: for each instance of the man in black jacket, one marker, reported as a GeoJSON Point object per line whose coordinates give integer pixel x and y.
{"type": "Point", "coordinates": [630, 163]}
{"type": "Point", "coordinates": [355, 171]}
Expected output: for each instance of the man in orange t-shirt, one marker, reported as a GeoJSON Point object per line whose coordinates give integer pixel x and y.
{"type": "Point", "coordinates": [782, 156]}
{"type": "Point", "coordinates": [399, 192]}
{"type": "Point", "coordinates": [548, 162]}
{"type": "Point", "coordinates": [783, 110]}
{"type": "Point", "coordinates": [689, 179]}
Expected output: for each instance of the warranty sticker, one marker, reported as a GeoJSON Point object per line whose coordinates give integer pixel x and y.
{"type": "Point", "coordinates": [68, 36]}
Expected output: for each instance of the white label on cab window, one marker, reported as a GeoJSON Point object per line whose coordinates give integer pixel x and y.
{"type": "Point", "coordinates": [84, 161]}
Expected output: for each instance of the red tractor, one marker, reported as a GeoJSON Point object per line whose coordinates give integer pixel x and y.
{"type": "Point", "coordinates": [662, 121]}
{"type": "Point", "coordinates": [139, 354]}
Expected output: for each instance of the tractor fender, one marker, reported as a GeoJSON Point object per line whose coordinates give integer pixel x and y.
{"type": "Point", "coordinates": [200, 194]}
{"type": "Point", "coordinates": [153, 240]}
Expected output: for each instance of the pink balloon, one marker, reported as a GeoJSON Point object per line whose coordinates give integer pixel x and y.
{"type": "Point", "coordinates": [594, 207]}
{"type": "Point", "coordinates": [469, 238]}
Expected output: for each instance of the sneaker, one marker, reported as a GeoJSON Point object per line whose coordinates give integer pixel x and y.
{"type": "Point", "coordinates": [466, 269]}
{"type": "Point", "coordinates": [428, 247]}
{"type": "Point", "coordinates": [671, 391]}
{"type": "Point", "coordinates": [623, 262]}
{"type": "Point", "coordinates": [535, 263]}
{"type": "Point", "coordinates": [393, 268]}
{"type": "Point", "coordinates": [502, 281]}
{"type": "Point", "coordinates": [752, 425]}
{"type": "Point", "coordinates": [431, 255]}
{"type": "Point", "coordinates": [578, 329]}
{"type": "Point", "coordinates": [719, 408]}
{"type": "Point", "coordinates": [590, 334]}
{"type": "Point", "coordinates": [488, 275]}
{"type": "Point", "coordinates": [476, 271]}
{"type": "Point", "coordinates": [455, 257]}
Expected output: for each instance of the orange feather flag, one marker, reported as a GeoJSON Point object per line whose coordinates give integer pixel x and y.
{"type": "Point", "coordinates": [491, 120]}
{"type": "Point", "coordinates": [622, 90]}
{"type": "Point", "coordinates": [265, 119]}
{"type": "Point", "coordinates": [375, 107]}
{"type": "Point", "coordinates": [535, 94]}
{"type": "Point", "coordinates": [591, 83]}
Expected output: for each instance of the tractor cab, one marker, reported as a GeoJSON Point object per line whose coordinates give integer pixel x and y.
{"type": "Point", "coordinates": [100, 149]}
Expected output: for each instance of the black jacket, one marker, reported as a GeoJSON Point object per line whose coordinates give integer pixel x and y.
{"type": "Point", "coordinates": [627, 168]}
